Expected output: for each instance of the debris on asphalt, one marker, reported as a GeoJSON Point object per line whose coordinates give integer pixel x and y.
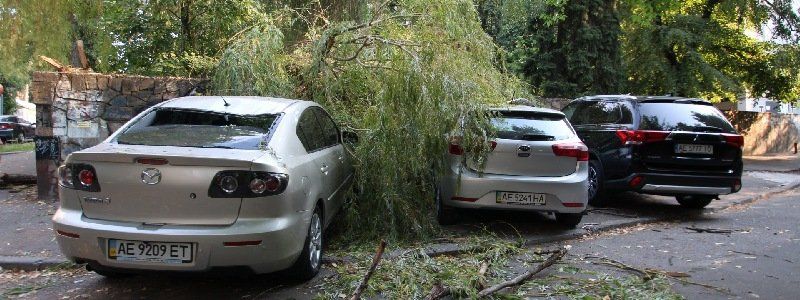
{"type": "Point", "coordinates": [375, 261]}
{"type": "Point", "coordinates": [715, 230]}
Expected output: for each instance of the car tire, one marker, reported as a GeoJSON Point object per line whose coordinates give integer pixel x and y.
{"type": "Point", "coordinates": [569, 220]}
{"type": "Point", "coordinates": [20, 138]}
{"type": "Point", "coordinates": [597, 195]}
{"type": "Point", "coordinates": [694, 201]}
{"type": "Point", "coordinates": [109, 273]}
{"type": "Point", "coordinates": [444, 215]}
{"type": "Point", "coordinates": [308, 263]}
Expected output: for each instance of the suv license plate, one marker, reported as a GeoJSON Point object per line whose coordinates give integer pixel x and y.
{"type": "Point", "coordinates": [694, 149]}
{"type": "Point", "coordinates": [521, 198]}
{"type": "Point", "coordinates": [155, 252]}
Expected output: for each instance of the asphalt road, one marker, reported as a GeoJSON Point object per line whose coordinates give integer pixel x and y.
{"type": "Point", "coordinates": [759, 259]}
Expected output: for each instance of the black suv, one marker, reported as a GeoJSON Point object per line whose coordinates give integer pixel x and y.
{"type": "Point", "coordinates": [672, 146]}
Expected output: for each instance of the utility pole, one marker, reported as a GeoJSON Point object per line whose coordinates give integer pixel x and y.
{"type": "Point", "coordinates": [2, 90]}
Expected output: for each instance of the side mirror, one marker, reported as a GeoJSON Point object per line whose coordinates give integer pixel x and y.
{"type": "Point", "coordinates": [349, 137]}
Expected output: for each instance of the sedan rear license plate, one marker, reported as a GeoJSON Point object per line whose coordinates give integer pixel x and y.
{"type": "Point", "coordinates": [156, 252]}
{"type": "Point", "coordinates": [520, 198]}
{"type": "Point", "coordinates": [694, 149]}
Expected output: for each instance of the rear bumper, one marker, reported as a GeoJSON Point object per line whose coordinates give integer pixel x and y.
{"type": "Point", "coordinates": [281, 242]}
{"type": "Point", "coordinates": [6, 133]}
{"type": "Point", "coordinates": [672, 185]}
{"type": "Point", "coordinates": [473, 190]}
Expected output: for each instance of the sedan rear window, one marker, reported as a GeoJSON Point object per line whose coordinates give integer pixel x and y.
{"type": "Point", "coordinates": [200, 129]}
{"type": "Point", "coordinates": [529, 126]}
{"type": "Point", "coordinates": [683, 117]}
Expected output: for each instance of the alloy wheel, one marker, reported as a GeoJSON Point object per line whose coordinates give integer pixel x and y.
{"type": "Point", "coordinates": [315, 246]}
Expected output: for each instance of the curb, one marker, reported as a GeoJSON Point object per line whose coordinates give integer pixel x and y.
{"type": "Point", "coordinates": [14, 152]}
{"type": "Point", "coordinates": [30, 263]}
{"type": "Point", "coordinates": [455, 249]}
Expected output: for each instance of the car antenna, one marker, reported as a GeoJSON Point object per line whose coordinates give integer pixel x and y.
{"type": "Point", "coordinates": [226, 102]}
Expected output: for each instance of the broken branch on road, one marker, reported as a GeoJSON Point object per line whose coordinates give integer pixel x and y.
{"type": "Point", "coordinates": [714, 230]}
{"type": "Point", "coordinates": [375, 260]}
{"type": "Point", "coordinates": [525, 276]}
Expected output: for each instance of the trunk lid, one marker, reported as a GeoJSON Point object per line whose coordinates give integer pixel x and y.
{"type": "Point", "coordinates": [124, 196]}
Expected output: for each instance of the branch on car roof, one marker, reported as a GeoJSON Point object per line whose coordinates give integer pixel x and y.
{"type": "Point", "coordinates": [375, 260]}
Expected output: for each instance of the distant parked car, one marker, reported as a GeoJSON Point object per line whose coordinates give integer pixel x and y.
{"type": "Point", "coordinates": [682, 147]}
{"type": "Point", "coordinates": [537, 163]}
{"type": "Point", "coordinates": [206, 183]}
{"type": "Point", "coordinates": [13, 128]}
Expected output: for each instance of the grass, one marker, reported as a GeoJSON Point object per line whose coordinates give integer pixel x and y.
{"type": "Point", "coordinates": [8, 147]}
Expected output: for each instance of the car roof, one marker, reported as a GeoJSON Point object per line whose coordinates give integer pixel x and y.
{"type": "Point", "coordinates": [527, 108]}
{"type": "Point", "coordinates": [645, 99]}
{"type": "Point", "coordinates": [237, 105]}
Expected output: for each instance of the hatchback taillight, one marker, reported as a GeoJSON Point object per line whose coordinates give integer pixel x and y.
{"type": "Point", "coordinates": [576, 150]}
{"type": "Point", "coordinates": [636, 137]}
{"type": "Point", "coordinates": [734, 139]}
{"type": "Point", "coordinates": [455, 146]}
{"type": "Point", "coordinates": [78, 177]}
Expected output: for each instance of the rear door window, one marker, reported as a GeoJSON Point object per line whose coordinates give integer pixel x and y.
{"type": "Point", "coordinates": [329, 131]}
{"type": "Point", "coordinates": [599, 112]}
{"type": "Point", "coordinates": [309, 131]}
{"type": "Point", "coordinates": [683, 117]}
{"type": "Point", "coordinates": [531, 126]}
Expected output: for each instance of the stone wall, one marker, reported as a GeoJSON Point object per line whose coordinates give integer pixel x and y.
{"type": "Point", "coordinates": [75, 111]}
{"type": "Point", "coordinates": [766, 133]}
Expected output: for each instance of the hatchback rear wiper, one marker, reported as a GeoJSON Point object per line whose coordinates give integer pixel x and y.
{"type": "Point", "coordinates": [537, 137]}
{"type": "Point", "coordinates": [221, 147]}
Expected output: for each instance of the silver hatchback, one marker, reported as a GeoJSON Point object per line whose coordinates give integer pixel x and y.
{"type": "Point", "coordinates": [537, 163]}
{"type": "Point", "coordinates": [202, 183]}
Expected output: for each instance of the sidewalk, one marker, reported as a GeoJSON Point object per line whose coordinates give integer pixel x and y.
{"type": "Point", "coordinates": [773, 163]}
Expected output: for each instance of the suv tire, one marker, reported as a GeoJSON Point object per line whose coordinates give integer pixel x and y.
{"type": "Point", "coordinates": [569, 220]}
{"type": "Point", "coordinates": [694, 201]}
{"type": "Point", "coordinates": [445, 215]}
{"type": "Point", "coordinates": [307, 266]}
{"type": "Point", "coordinates": [596, 193]}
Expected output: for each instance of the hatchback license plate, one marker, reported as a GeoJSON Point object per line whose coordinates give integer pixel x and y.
{"type": "Point", "coordinates": [521, 198]}
{"type": "Point", "coordinates": [157, 252]}
{"type": "Point", "coordinates": [694, 149]}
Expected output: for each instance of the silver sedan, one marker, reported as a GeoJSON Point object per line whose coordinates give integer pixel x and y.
{"type": "Point", "coordinates": [537, 163]}
{"type": "Point", "coordinates": [206, 183]}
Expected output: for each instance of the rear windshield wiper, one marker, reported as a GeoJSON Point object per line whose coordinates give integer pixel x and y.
{"type": "Point", "coordinates": [537, 137]}
{"type": "Point", "coordinates": [215, 146]}
{"type": "Point", "coordinates": [708, 128]}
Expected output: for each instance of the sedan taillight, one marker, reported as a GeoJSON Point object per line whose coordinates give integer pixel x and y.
{"type": "Point", "coordinates": [6, 126]}
{"type": "Point", "coordinates": [78, 177]}
{"type": "Point", "coordinates": [247, 184]}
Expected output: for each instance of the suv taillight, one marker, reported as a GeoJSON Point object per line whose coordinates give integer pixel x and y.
{"type": "Point", "coordinates": [636, 137]}
{"type": "Point", "coordinates": [734, 139]}
{"type": "Point", "coordinates": [576, 150]}
{"type": "Point", "coordinates": [247, 184]}
{"type": "Point", "coordinates": [78, 177]}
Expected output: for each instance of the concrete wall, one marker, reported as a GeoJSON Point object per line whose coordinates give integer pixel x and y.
{"type": "Point", "coordinates": [75, 111]}
{"type": "Point", "coordinates": [766, 133]}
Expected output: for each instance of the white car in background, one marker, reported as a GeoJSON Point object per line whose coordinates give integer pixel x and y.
{"type": "Point", "coordinates": [537, 163]}
{"type": "Point", "coordinates": [206, 183]}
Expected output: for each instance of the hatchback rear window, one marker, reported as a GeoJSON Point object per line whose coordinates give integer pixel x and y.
{"type": "Point", "coordinates": [683, 117]}
{"type": "Point", "coordinates": [529, 126]}
{"type": "Point", "coordinates": [201, 129]}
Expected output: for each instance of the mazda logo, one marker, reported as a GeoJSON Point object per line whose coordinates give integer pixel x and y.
{"type": "Point", "coordinates": [151, 176]}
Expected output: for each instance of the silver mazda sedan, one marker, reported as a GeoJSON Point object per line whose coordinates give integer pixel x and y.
{"type": "Point", "coordinates": [206, 183]}
{"type": "Point", "coordinates": [537, 163]}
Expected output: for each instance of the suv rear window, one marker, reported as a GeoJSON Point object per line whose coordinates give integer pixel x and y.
{"type": "Point", "coordinates": [201, 129]}
{"type": "Point", "coordinates": [683, 117]}
{"type": "Point", "coordinates": [599, 112]}
{"type": "Point", "coordinates": [528, 126]}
